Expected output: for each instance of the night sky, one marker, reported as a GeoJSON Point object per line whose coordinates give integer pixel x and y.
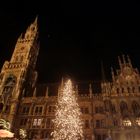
{"type": "Point", "coordinates": [75, 37]}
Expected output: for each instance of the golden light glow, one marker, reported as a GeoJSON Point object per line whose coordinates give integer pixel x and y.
{"type": "Point", "coordinates": [67, 122]}
{"type": "Point", "coordinates": [127, 123]}
{"type": "Point", "coordinates": [138, 121]}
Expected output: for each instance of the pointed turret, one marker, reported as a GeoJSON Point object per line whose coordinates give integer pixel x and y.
{"type": "Point", "coordinates": [32, 30]}
{"type": "Point", "coordinates": [34, 93]}
{"type": "Point", "coordinates": [120, 63]}
{"type": "Point", "coordinates": [62, 82]}
{"type": "Point", "coordinates": [124, 62]}
{"type": "Point", "coordinates": [47, 89]}
{"type": "Point", "coordinates": [77, 90]}
{"type": "Point", "coordinates": [113, 75]}
{"type": "Point", "coordinates": [129, 61]}
{"type": "Point", "coordinates": [60, 87]}
{"type": "Point", "coordinates": [90, 90]}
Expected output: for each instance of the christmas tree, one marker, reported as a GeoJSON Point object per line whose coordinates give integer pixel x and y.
{"type": "Point", "coordinates": [67, 122]}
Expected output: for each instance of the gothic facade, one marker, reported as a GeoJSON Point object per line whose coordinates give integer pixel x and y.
{"type": "Point", "coordinates": [115, 111]}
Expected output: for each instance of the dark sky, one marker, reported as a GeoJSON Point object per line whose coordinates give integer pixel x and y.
{"type": "Point", "coordinates": [75, 36]}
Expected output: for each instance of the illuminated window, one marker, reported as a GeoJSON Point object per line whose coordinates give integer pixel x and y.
{"type": "Point", "coordinates": [127, 123]}
{"type": "Point", "coordinates": [37, 122]}
{"type": "Point", "coordinates": [138, 121]}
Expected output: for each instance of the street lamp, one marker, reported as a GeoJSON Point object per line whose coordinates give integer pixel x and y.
{"type": "Point", "coordinates": [22, 133]}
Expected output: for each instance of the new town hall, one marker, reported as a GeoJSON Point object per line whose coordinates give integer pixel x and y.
{"type": "Point", "coordinates": [114, 111]}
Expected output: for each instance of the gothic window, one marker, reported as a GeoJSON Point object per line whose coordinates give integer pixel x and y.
{"type": "Point", "coordinates": [124, 109]}
{"type": "Point", "coordinates": [51, 109]}
{"type": "Point", "coordinates": [99, 109]}
{"type": "Point", "coordinates": [133, 89]}
{"type": "Point", "coordinates": [127, 123]}
{"type": "Point", "coordinates": [8, 87]}
{"type": "Point", "coordinates": [86, 124]}
{"type": "Point", "coordinates": [113, 109]}
{"type": "Point", "coordinates": [82, 110]}
{"type": "Point", "coordinates": [136, 108]}
{"type": "Point", "coordinates": [48, 122]}
{"type": "Point", "coordinates": [10, 81]}
{"type": "Point", "coordinates": [23, 122]}
{"type": "Point", "coordinates": [25, 110]}
{"type": "Point", "coordinates": [37, 122]}
{"type": "Point", "coordinates": [86, 110]}
{"type": "Point", "coordinates": [138, 121]}
{"type": "Point", "coordinates": [7, 109]}
{"type": "Point", "coordinates": [107, 105]}
{"type": "Point", "coordinates": [16, 59]}
{"type": "Point", "coordinates": [122, 90]}
{"type": "Point", "coordinates": [128, 89]}
{"type": "Point", "coordinates": [1, 107]}
{"type": "Point", "coordinates": [98, 136]}
{"type": "Point", "coordinates": [21, 58]}
{"type": "Point", "coordinates": [100, 123]}
{"type": "Point", "coordinates": [1, 76]}
{"type": "Point", "coordinates": [38, 110]}
{"type": "Point", "coordinates": [139, 89]}
{"type": "Point", "coordinates": [115, 122]}
{"type": "Point", "coordinates": [118, 90]}
{"type": "Point", "coordinates": [96, 110]}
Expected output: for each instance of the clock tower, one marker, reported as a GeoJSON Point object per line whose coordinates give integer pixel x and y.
{"type": "Point", "coordinates": [18, 76]}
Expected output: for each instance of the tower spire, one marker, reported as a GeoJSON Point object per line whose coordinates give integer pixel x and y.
{"type": "Point", "coordinates": [124, 62]}
{"type": "Point", "coordinates": [112, 73]}
{"type": "Point", "coordinates": [120, 63]}
{"type": "Point", "coordinates": [129, 61]}
{"type": "Point", "coordinates": [32, 30]}
{"type": "Point", "coordinates": [90, 90]}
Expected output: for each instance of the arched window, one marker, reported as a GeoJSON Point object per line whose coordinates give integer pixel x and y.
{"type": "Point", "coordinates": [122, 90]}
{"type": "Point", "coordinates": [113, 109]}
{"type": "Point", "coordinates": [17, 58]}
{"type": "Point", "coordinates": [107, 105]}
{"type": "Point", "coordinates": [136, 108]}
{"type": "Point", "coordinates": [8, 87]}
{"type": "Point", "coordinates": [139, 89]}
{"type": "Point", "coordinates": [1, 107]}
{"type": "Point", "coordinates": [118, 90]}
{"type": "Point", "coordinates": [124, 109]}
{"type": "Point", "coordinates": [128, 89]}
{"type": "Point", "coordinates": [133, 89]}
{"type": "Point", "coordinates": [21, 58]}
{"type": "Point", "coordinates": [127, 123]}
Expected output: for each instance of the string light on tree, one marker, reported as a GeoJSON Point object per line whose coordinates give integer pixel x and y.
{"type": "Point", "coordinates": [67, 122]}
